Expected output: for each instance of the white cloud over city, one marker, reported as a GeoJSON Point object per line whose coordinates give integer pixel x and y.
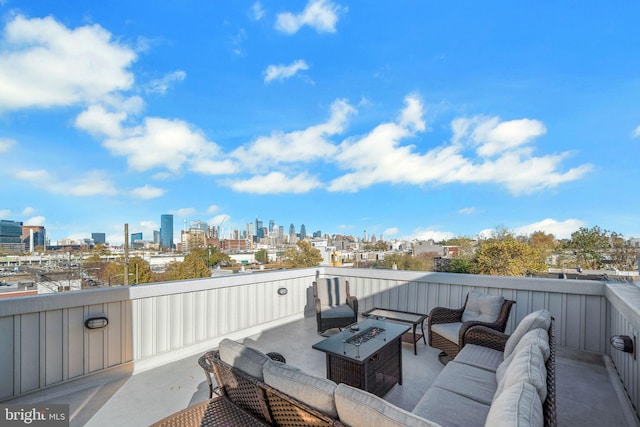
{"type": "Point", "coordinates": [321, 15]}
{"type": "Point", "coordinates": [282, 72]}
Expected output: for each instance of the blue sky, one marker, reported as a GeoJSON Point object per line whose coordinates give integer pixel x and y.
{"type": "Point", "coordinates": [408, 119]}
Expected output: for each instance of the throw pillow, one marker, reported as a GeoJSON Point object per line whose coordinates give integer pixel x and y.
{"type": "Point", "coordinates": [517, 406]}
{"type": "Point", "coordinates": [537, 319]}
{"type": "Point", "coordinates": [482, 307]}
{"type": "Point", "coordinates": [245, 358]}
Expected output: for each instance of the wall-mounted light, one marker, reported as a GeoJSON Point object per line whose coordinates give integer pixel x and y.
{"type": "Point", "coordinates": [96, 322]}
{"type": "Point", "coordinates": [282, 291]}
{"type": "Point", "coordinates": [624, 343]}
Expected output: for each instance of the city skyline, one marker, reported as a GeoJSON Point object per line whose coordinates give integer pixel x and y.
{"type": "Point", "coordinates": [405, 119]}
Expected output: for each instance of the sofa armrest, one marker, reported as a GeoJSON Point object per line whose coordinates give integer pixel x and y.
{"type": "Point", "coordinates": [317, 305]}
{"type": "Point", "coordinates": [445, 315]}
{"type": "Point", "coordinates": [484, 336]}
{"type": "Point", "coordinates": [353, 303]}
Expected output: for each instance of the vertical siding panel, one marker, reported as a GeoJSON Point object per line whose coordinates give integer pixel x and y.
{"type": "Point", "coordinates": [113, 332]}
{"type": "Point", "coordinates": [76, 338]}
{"type": "Point", "coordinates": [53, 347]}
{"type": "Point", "coordinates": [30, 352]}
{"type": "Point", "coordinates": [175, 321]}
{"type": "Point", "coordinates": [592, 324]}
{"type": "Point", "coordinates": [187, 319]}
{"type": "Point", "coordinates": [573, 320]}
{"type": "Point", "coordinates": [95, 341]}
{"type": "Point", "coordinates": [6, 356]}
{"type": "Point", "coordinates": [162, 323]}
{"type": "Point", "coordinates": [199, 311]}
{"type": "Point", "coordinates": [145, 329]}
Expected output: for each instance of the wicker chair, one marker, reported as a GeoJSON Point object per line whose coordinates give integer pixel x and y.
{"type": "Point", "coordinates": [335, 306]}
{"type": "Point", "coordinates": [447, 326]}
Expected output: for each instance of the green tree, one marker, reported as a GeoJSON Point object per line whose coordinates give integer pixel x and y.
{"type": "Point", "coordinates": [422, 262]}
{"type": "Point", "coordinates": [589, 246]}
{"type": "Point", "coordinates": [194, 266]}
{"type": "Point", "coordinates": [545, 243]}
{"type": "Point", "coordinates": [302, 255]}
{"type": "Point", "coordinates": [113, 272]}
{"type": "Point", "coordinates": [262, 256]}
{"type": "Point", "coordinates": [460, 265]}
{"type": "Point", "coordinates": [623, 256]}
{"type": "Point", "coordinates": [377, 246]}
{"type": "Point", "coordinates": [507, 256]}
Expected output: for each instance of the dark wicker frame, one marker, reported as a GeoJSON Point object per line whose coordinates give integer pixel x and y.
{"type": "Point", "coordinates": [325, 323]}
{"type": "Point", "coordinates": [487, 337]}
{"type": "Point", "coordinates": [448, 315]}
{"type": "Point", "coordinates": [263, 401]}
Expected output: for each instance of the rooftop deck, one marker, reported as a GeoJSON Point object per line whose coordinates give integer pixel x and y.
{"type": "Point", "coordinates": [149, 369]}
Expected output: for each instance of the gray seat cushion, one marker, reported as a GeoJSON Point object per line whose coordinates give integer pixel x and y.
{"type": "Point", "coordinates": [245, 358]}
{"type": "Point", "coordinates": [337, 312]}
{"type": "Point", "coordinates": [480, 357]}
{"type": "Point", "coordinates": [451, 409]}
{"type": "Point", "coordinates": [517, 406]}
{"type": "Point", "coordinates": [468, 381]}
{"type": "Point", "coordinates": [482, 307]}
{"type": "Point", "coordinates": [449, 331]}
{"type": "Point", "coordinates": [537, 319]}
{"type": "Point", "coordinates": [358, 408]}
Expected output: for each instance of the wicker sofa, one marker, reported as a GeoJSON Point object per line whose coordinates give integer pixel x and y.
{"type": "Point", "coordinates": [495, 380]}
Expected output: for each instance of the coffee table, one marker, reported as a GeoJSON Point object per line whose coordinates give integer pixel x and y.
{"type": "Point", "coordinates": [414, 319]}
{"type": "Point", "coordinates": [375, 365]}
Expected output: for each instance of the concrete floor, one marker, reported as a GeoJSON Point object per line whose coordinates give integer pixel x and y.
{"type": "Point", "coordinates": [588, 395]}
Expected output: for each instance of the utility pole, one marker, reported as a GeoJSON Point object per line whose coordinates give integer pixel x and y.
{"type": "Point", "coordinates": [126, 255]}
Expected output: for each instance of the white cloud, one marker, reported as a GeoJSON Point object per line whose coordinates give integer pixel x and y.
{"type": "Point", "coordinates": [218, 219]}
{"type": "Point", "coordinates": [258, 11]}
{"type": "Point", "coordinates": [493, 137]}
{"type": "Point", "coordinates": [505, 155]}
{"type": "Point", "coordinates": [46, 64]}
{"type": "Point", "coordinates": [213, 167]}
{"type": "Point", "coordinates": [161, 85]}
{"type": "Point", "coordinates": [212, 209]}
{"type": "Point", "coordinates": [6, 144]}
{"type": "Point", "coordinates": [98, 121]}
{"type": "Point", "coordinates": [159, 143]}
{"type": "Point", "coordinates": [28, 211]}
{"type": "Point", "coordinates": [147, 192]}
{"type": "Point", "coordinates": [93, 183]}
{"type": "Point", "coordinates": [298, 146]}
{"type": "Point", "coordinates": [5, 213]}
{"type": "Point", "coordinates": [560, 229]}
{"type": "Point", "coordinates": [282, 72]}
{"type": "Point", "coordinates": [636, 132]}
{"type": "Point", "coordinates": [390, 231]}
{"type": "Point", "coordinates": [36, 220]}
{"type": "Point", "coordinates": [276, 183]}
{"type": "Point", "coordinates": [322, 15]}
{"type": "Point", "coordinates": [184, 212]}
{"type": "Point", "coordinates": [435, 235]}
{"type": "Point", "coordinates": [467, 211]}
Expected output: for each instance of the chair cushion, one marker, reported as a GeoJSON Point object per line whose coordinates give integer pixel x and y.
{"type": "Point", "coordinates": [482, 307]}
{"type": "Point", "coordinates": [527, 366]}
{"type": "Point", "coordinates": [332, 291]}
{"type": "Point", "coordinates": [450, 331]}
{"type": "Point", "coordinates": [537, 319]}
{"type": "Point", "coordinates": [336, 312]}
{"type": "Point", "coordinates": [245, 358]}
{"type": "Point", "coordinates": [315, 391]}
{"type": "Point", "coordinates": [480, 357]}
{"type": "Point", "coordinates": [517, 406]}
{"type": "Point", "coordinates": [468, 381]}
{"type": "Point", "coordinates": [358, 408]}
{"type": "Point", "coordinates": [450, 409]}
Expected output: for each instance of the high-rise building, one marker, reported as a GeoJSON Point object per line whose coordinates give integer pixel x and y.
{"type": "Point", "coordinates": [11, 235]}
{"type": "Point", "coordinates": [156, 237]}
{"type": "Point", "coordinates": [292, 230]}
{"type": "Point", "coordinates": [99, 238]}
{"type": "Point", "coordinates": [33, 235]}
{"type": "Point", "coordinates": [303, 232]}
{"type": "Point", "coordinates": [135, 236]}
{"type": "Point", "coordinates": [272, 224]}
{"type": "Point", "coordinates": [166, 231]}
{"type": "Point", "coordinates": [259, 229]}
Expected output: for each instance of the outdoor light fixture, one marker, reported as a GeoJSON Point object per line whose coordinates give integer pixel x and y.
{"type": "Point", "coordinates": [282, 291]}
{"type": "Point", "coordinates": [624, 343]}
{"type": "Point", "coordinates": [96, 322]}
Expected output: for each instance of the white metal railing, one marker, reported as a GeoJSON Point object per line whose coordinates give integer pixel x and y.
{"type": "Point", "coordinates": [43, 340]}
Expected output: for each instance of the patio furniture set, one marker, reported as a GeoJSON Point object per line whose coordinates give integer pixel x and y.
{"type": "Point", "coordinates": [490, 378]}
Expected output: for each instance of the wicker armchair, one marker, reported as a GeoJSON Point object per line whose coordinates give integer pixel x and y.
{"type": "Point", "coordinates": [335, 306]}
{"type": "Point", "coordinates": [447, 326]}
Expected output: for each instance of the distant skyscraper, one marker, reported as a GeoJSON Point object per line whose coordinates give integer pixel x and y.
{"type": "Point", "coordinates": [11, 235]}
{"type": "Point", "coordinates": [156, 237]}
{"type": "Point", "coordinates": [366, 236]}
{"type": "Point", "coordinates": [99, 238]}
{"type": "Point", "coordinates": [292, 230]}
{"type": "Point", "coordinates": [303, 232]}
{"type": "Point", "coordinates": [135, 236]}
{"type": "Point", "coordinates": [272, 224]}
{"type": "Point", "coordinates": [166, 231]}
{"type": "Point", "coordinates": [259, 229]}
